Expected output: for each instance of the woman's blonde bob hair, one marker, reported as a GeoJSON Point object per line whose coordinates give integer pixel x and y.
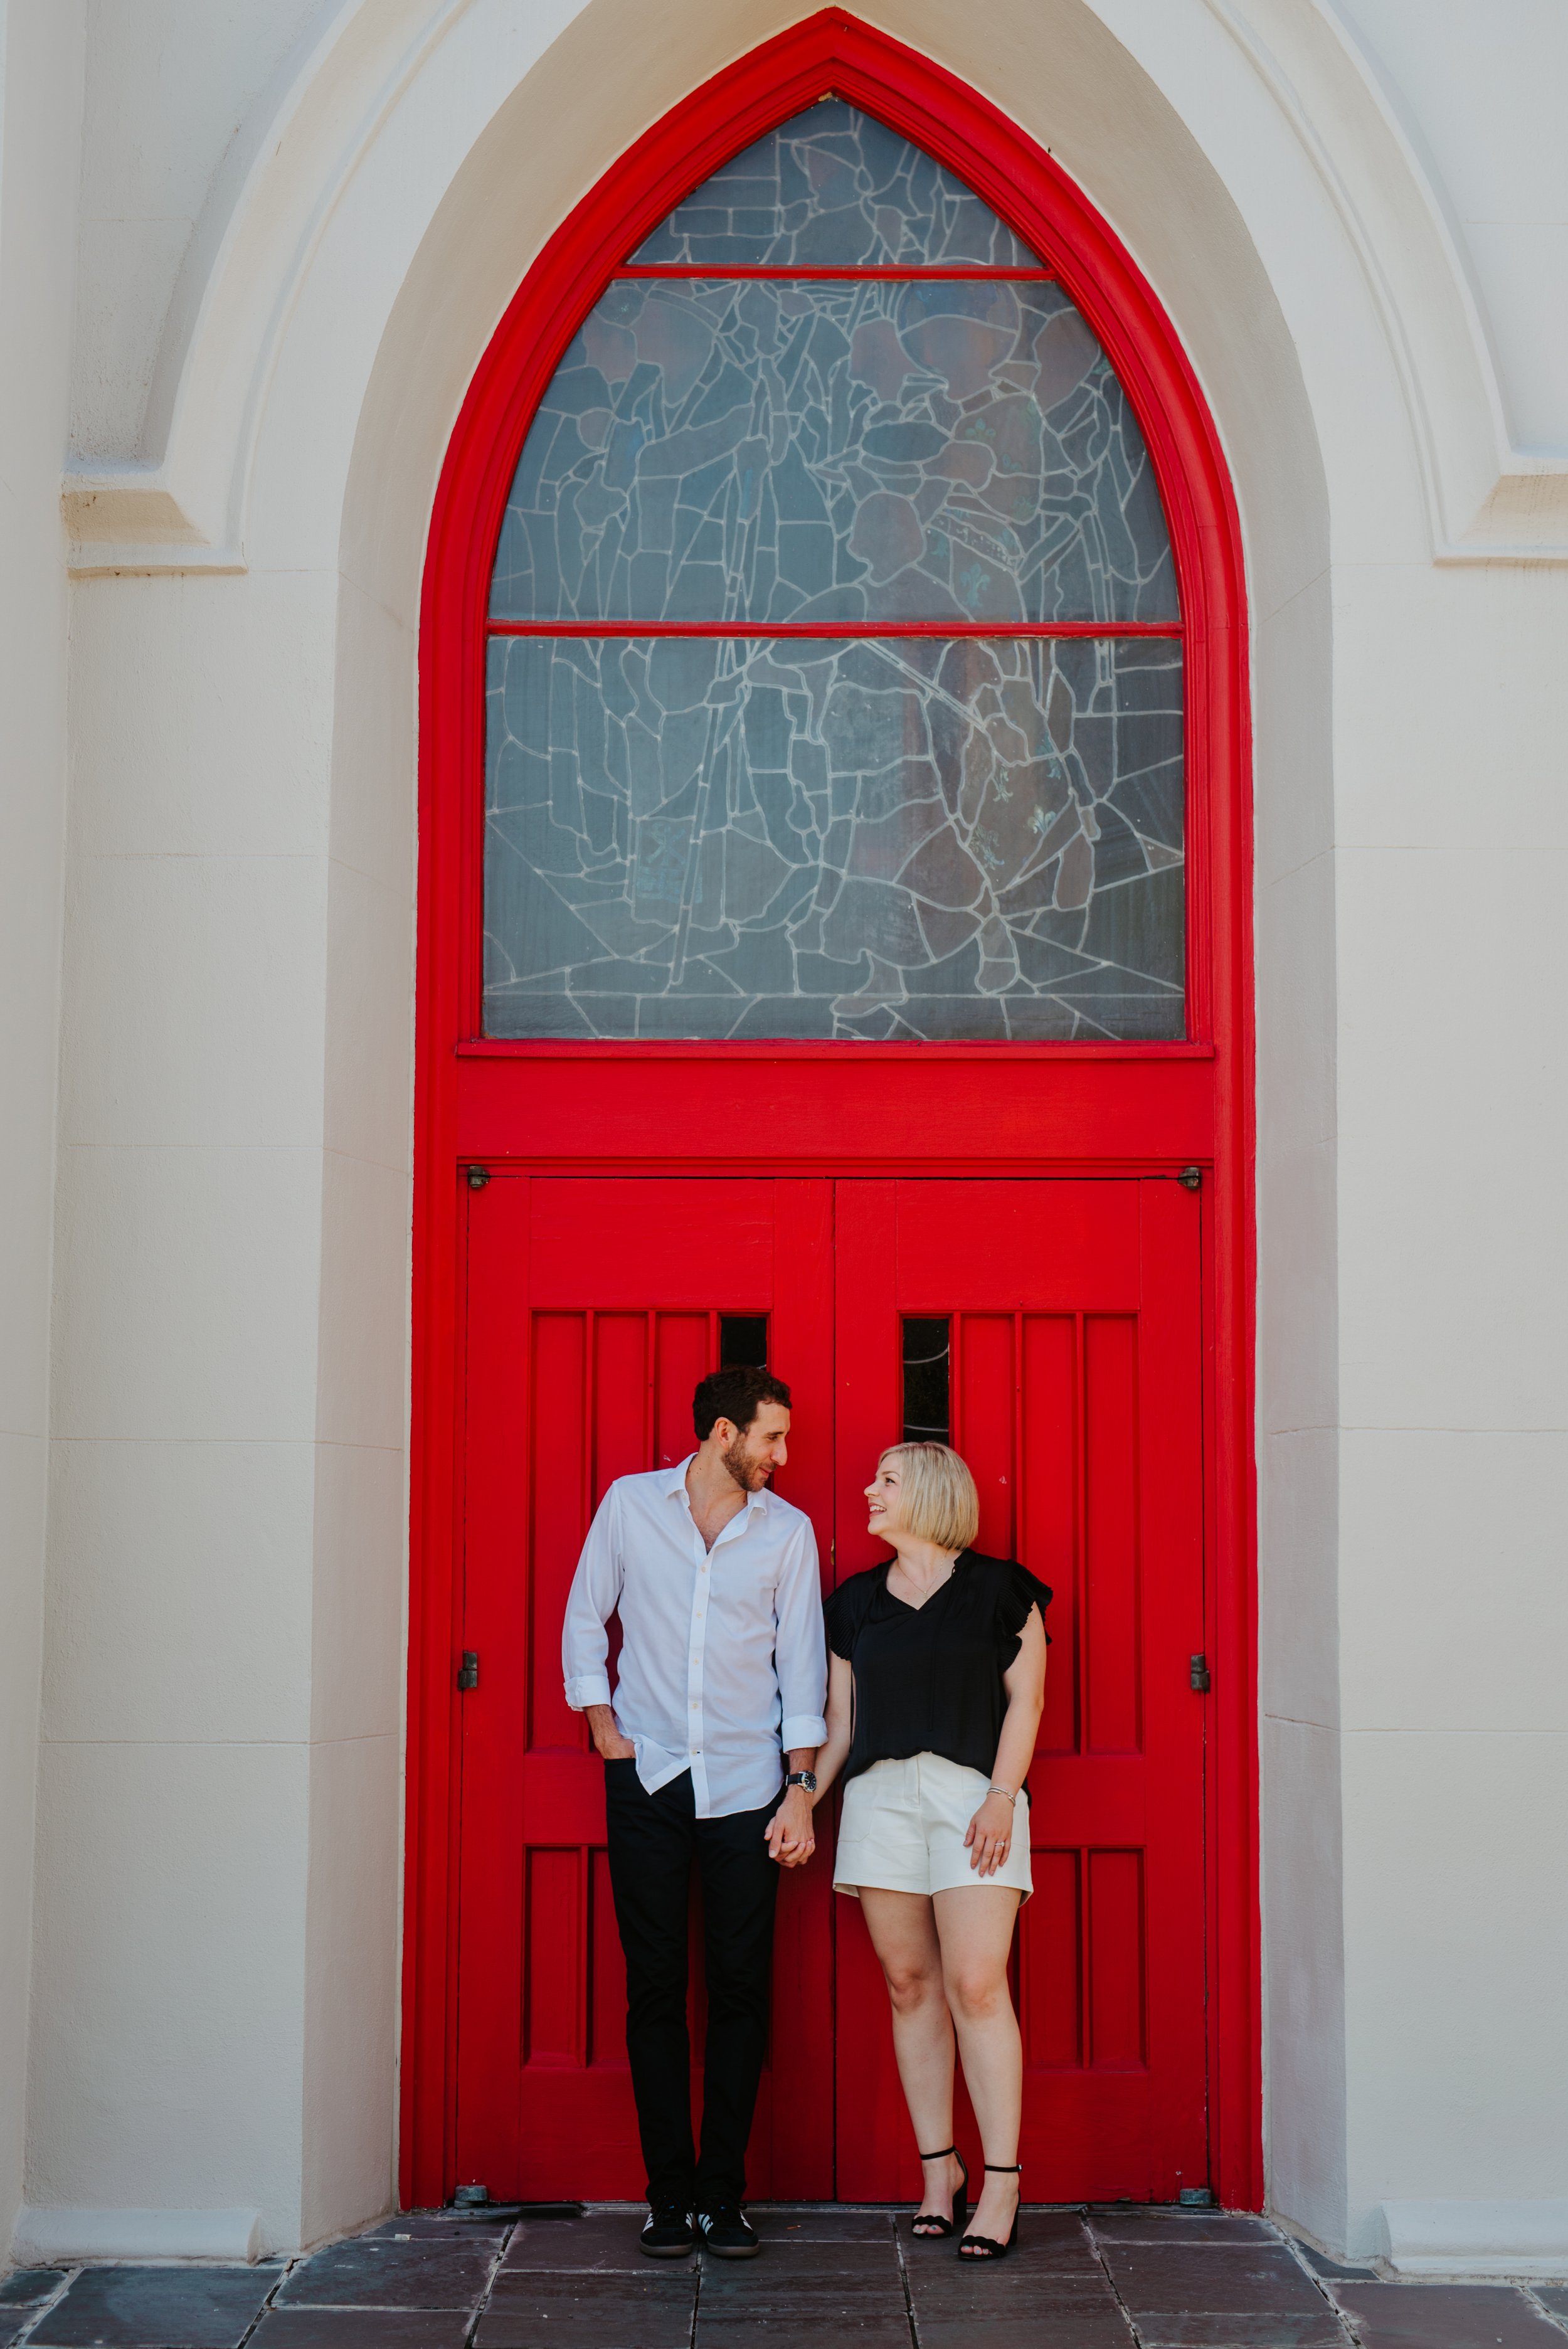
{"type": "Point", "coordinates": [940, 1502]}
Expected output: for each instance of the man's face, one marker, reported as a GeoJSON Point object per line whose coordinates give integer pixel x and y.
{"type": "Point", "coordinates": [753, 1452]}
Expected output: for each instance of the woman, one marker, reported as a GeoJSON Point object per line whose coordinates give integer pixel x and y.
{"type": "Point", "coordinates": [937, 1677]}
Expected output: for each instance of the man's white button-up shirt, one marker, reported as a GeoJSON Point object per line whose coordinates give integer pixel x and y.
{"type": "Point", "coordinates": [723, 1664]}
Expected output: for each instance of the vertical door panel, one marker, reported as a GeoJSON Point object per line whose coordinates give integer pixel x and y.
{"type": "Point", "coordinates": [1111, 1641]}
{"type": "Point", "coordinates": [984, 1410]}
{"type": "Point", "coordinates": [593, 1309]}
{"type": "Point", "coordinates": [1048, 1511]}
{"type": "Point", "coordinates": [794, 2111]}
{"type": "Point", "coordinates": [1074, 1313]}
{"type": "Point", "coordinates": [498, 1537]}
{"type": "Point", "coordinates": [875, 2154]}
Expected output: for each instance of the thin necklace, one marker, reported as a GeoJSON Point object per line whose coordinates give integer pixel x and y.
{"type": "Point", "coordinates": [931, 1588]}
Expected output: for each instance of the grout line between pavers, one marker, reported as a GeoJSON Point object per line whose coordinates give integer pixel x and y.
{"type": "Point", "coordinates": [267, 2300]}
{"type": "Point", "coordinates": [68, 2277]}
{"type": "Point", "coordinates": [471, 2329]}
{"type": "Point", "coordinates": [903, 2281]}
{"type": "Point", "coordinates": [1533, 2297]}
{"type": "Point", "coordinates": [1340, 2315]}
{"type": "Point", "coordinates": [1098, 2250]}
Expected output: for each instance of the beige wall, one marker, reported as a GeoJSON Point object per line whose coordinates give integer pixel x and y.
{"type": "Point", "coordinates": [40, 112]}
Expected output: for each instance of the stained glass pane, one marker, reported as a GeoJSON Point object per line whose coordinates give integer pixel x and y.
{"type": "Point", "coordinates": [799, 451]}
{"type": "Point", "coordinates": [834, 187]}
{"type": "Point", "coordinates": [907, 838]}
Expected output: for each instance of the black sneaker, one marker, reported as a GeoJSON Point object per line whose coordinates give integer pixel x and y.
{"type": "Point", "coordinates": [726, 2234]}
{"type": "Point", "coordinates": [668, 2232]}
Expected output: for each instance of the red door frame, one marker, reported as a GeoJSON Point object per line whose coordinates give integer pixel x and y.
{"type": "Point", "coordinates": [1035, 1108]}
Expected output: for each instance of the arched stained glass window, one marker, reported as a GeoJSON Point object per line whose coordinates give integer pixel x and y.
{"type": "Point", "coordinates": [835, 681]}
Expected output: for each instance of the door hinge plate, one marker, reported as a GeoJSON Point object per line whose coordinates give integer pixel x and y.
{"type": "Point", "coordinates": [1198, 1675]}
{"type": "Point", "coordinates": [468, 1671]}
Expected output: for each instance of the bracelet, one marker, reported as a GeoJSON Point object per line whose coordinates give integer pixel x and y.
{"type": "Point", "coordinates": [1006, 1791]}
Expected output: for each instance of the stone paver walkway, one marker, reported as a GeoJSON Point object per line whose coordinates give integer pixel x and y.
{"type": "Point", "coordinates": [1128, 2277]}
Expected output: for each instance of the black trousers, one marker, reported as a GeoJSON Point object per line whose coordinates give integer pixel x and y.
{"type": "Point", "coordinates": [654, 1841]}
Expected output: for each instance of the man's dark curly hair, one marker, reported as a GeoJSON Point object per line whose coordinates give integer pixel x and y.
{"type": "Point", "coordinates": [737, 1394]}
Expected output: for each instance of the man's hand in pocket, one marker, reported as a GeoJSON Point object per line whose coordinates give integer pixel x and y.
{"type": "Point", "coordinates": [608, 1740]}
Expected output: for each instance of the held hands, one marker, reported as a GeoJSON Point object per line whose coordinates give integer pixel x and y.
{"type": "Point", "coordinates": [990, 1835]}
{"type": "Point", "coordinates": [792, 1838]}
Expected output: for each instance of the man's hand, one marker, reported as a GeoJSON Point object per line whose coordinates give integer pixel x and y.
{"type": "Point", "coordinates": [608, 1740]}
{"type": "Point", "coordinates": [792, 1838]}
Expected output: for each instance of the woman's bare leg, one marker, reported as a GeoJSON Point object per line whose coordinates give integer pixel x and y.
{"type": "Point", "coordinates": [904, 1935]}
{"type": "Point", "coordinates": [975, 1928]}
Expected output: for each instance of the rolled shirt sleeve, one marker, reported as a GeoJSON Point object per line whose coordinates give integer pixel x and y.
{"type": "Point", "coordinates": [592, 1600]}
{"type": "Point", "coordinates": [800, 1652]}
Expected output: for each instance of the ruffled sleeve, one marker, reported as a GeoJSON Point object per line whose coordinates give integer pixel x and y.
{"type": "Point", "coordinates": [1017, 1591]}
{"type": "Point", "coordinates": [843, 1613]}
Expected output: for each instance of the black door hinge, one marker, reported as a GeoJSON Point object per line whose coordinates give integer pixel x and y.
{"type": "Point", "coordinates": [1190, 1178]}
{"type": "Point", "coordinates": [469, 1671]}
{"type": "Point", "coordinates": [478, 1178]}
{"type": "Point", "coordinates": [1198, 1675]}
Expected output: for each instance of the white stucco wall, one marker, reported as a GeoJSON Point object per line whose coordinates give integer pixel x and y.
{"type": "Point", "coordinates": [298, 227]}
{"type": "Point", "coordinates": [1479, 91]}
{"type": "Point", "coordinates": [41, 56]}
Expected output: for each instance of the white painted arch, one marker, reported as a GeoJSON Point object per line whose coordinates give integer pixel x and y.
{"type": "Point", "coordinates": [184, 501]}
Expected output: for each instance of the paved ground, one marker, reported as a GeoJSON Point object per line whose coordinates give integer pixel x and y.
{"type": "Point", "coordinates": [1101, 2279]}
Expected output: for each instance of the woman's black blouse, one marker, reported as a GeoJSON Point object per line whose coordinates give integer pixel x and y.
{"type": "Point", "coordinates": [928, 1679]}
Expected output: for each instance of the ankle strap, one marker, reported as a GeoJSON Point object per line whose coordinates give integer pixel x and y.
{"type": "Point", "coordinates": [938, 2153]}
{"type": "Point", "coordinates": [1008, 2168]}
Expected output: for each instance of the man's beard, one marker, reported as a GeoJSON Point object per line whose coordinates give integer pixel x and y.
{"type": "Point", "coordinates": [748, 1473]}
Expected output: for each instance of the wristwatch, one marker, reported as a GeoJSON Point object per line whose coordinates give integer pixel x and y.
{"type": "Point", "coordinates": [807, 1778]}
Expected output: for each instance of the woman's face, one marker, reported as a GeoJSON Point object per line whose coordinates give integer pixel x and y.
{"type": "Point", "coordinates": [885, 1501]}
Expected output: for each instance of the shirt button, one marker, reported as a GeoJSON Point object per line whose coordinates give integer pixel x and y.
{"type": "Point", "coordinates": [695, 1705]}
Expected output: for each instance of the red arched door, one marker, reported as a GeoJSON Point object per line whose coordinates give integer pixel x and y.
{"type": "Point", "coordinates": [833, 901]}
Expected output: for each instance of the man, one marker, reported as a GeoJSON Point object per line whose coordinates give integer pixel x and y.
{"type": "Point", "coordinates": [722, 1664]}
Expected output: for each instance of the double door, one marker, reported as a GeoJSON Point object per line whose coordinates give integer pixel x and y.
{"type": "Point", "coordinates": [1051, 1330]}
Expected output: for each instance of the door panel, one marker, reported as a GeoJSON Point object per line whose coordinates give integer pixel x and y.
{"type": "Point", "coordinates": [1075, 1372]}
{"type": "Point", "coordinates": [594, 1309]}
{"type": "Point", "coordinates": [1074, 1380]}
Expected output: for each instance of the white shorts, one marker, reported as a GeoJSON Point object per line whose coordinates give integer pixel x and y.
{"type": "Point", "coordinates": [903, 1824]}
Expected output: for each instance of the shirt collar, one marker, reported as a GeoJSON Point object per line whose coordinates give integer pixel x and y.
{"type": "Point", "coordinates": [675, 1482]}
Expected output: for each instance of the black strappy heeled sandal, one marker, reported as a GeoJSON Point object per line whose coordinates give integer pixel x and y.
{"type": "Point", "coordinates": [986, 2246]}
{"type": "Point", "coordinates": [926, 2223]}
